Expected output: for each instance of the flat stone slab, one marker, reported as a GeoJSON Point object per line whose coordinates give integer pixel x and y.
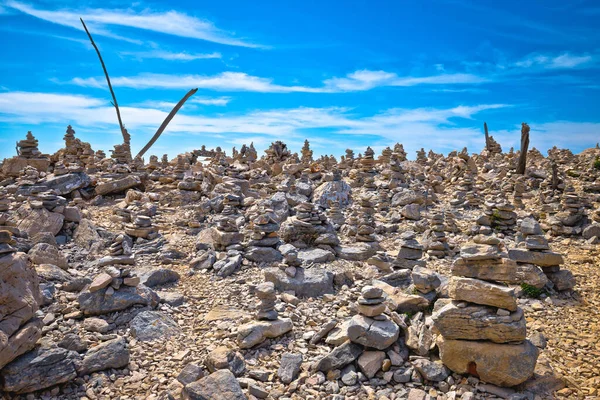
{"type": "Point", "coordinates": [539, 258]}
{"type": "Point", "coordinates": [312, 282]}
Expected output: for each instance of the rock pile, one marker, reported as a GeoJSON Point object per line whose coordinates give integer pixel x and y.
{"type": "Point", "coordinates": [268, 325]}
{"type": "Point", "coordinates": [537, 252]}
{"type": "Point", "coordinates": [410, 252]}
{"type": "Point", "coordinates": [436, 242]}
{"type": "Point", "coordinates": [142, 227]}
{"type": "Point", "coordinates": [483, 331]}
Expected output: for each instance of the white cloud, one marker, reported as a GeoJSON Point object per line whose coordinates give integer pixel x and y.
{"type": "Point", "coordinates": [170, 56]}
{"type": "Point", "coordinates": [169, 22]}
{"type": "Point", "coordinates": [239, 81]}
{"type": "Point", "coordinates": [211, 101]}
{"type": "Point", "coordinates": [561, 61]}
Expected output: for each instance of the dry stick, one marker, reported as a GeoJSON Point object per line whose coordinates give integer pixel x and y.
{"type": "Point", "coordinates": [487, 137]}
{"type": "Point", "coordinates": [522, 163]}
{"type": "Point", "coordinates": [114, 103]}
{"type": "Point", "coordinates": [166, 122]}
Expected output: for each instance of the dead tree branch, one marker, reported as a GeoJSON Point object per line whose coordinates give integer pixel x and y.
{"type": "Point", "coordinates": [114, 103]}
{"type": "Point", "coordinates": [524, 147]}
{"type": "Point", "coordinates": [166, 122]}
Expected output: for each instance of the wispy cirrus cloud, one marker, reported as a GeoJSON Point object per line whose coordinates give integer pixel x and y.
{"type": "Point", "coordinates": [169, 55]}
{"type": "Point", "coordinates": [210, 101]}
{"type": "Point", "coordinates": [564, 60]}
{"type": "Point", "coordinates": [167, 22]}
{"type": "Point", "coordinates": [239, 81]}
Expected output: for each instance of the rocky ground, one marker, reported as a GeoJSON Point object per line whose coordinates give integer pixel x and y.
{"type": "Point", "coordinates": [290, 281]}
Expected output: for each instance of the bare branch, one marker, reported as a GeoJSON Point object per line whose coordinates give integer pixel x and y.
{"type": "Point", "coordinates": [114, 103]}
{"type": "Point", "coordinates": [166, 122]}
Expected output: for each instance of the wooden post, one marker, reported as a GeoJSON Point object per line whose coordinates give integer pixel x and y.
{"type": "Point", "coordinates": [487, 137]}
{"type": "Point", "coordinates": [524, 146]}
{"type": "Point", "coordinates": [554, 176]}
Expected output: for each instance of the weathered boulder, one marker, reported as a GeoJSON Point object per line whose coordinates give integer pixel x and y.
{"type": "Point", "coordinates": [539, 258]}
{"type": "Point", "coordinates": [334, 191]}
{"type": "Point", "coordinates": [313, 282]}
{"type": "Point", "coordinates": [99, 302]}
{"type": "Point", "coordinates": [65, 184]}
{"type": "Point", "coordinates": [475, 322]}
{"type": "Point", "coordinates": [263, 254]}
{"type": "Point", "coordinates": [44, 253]}
{"type": "Point", "coordinates": [370, 362]}
{"type": "Point", "coordinates": [315, 256]}
{"type": "Point", "coordinates": [34, 221]}
{"type": "Point", "coordinates": [41, 368]}
{"type": "Point", "coordinates": [562, 280]}
{"type": "Point", "coordinates": [118, 185]}
{"type": "Point", "coordinates": [153, 325]}
{"type": "Point", "coordinates": [220, 385]}
{"type": "Point", "coordinates": [86, 235]}
{"type": "Point", "coordinates": [254, 333]}
{"type": "Point", "coordinates": [224, 358]}
{"type": "Point", "coordinates": [503, 270]}
{"type": "Point", "coordinates": [157, 277]}
{"type": "Point", "coordinates": [109, 354]}
{"type": "Point", "coordinates": [431, 370]}
{"type": "Point", "coordinates": [481, 292]}
{"type": "Point", "coordinates": [498, 364]}
{"type": "Point", "coordinates": [19, 300]}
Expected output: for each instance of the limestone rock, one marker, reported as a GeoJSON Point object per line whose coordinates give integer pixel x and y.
{"type": "Point", "coordinates": [220, 385]}
{"type": "Point", "coordinates": [475, 322]}
{"type": "Point", "coordinates": [339, 357]}
{"type": "Point", "coordinates": [373, 333]}
{"type": "Point", "coordinates": [110, 354]}
{"type": "Point", "coordinates": [153, 325]}
{"type": "Point", "coordinates": [101, 302]}
{"type": "Point", "coordinates": [313, 282]}
{"type": "Point", "coordinates": [257, 332]}
{"type": "Point", "coordinates": [498, 364]}
{"type": "Point", "coordinates": [481, 292]}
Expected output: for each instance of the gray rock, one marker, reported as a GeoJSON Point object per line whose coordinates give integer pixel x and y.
{"type": "Point", "coordinates": [481, 292]}
{"type": "Point", "coordinates": [257, 332]}
{"type": "Point", "coordinates": [529, 226]}
{"type": "Point", "coordinates": [39, 369]}
{"type": "Point", "coordinates": [407, 196]}
{"type": "Point", "coordinates": [539, 258]}
{"type": "Point", "coordinates": [355, 252]}
{"type": "Point", "coordinates": [225, 268]}
{"type": "Point", "coordinates": [190, 373]}
{"type": "Point", "coordinates": [44, 253]}
{"type": "Point", "coordinates": [263, 254]}
{"type": "Point", "coordinates": [313, 282]}
{"type": "Point", "coordinates": [373, 333]}
{"type": "Point", "coordinates": [157, 277]}
{"type": "Point", "coordinates": [411, 211]}
{"type": "Point", "coordinates": [289, 367]}
{"type": "Point", "coordinates": [562, 280]}
{"type": "Point", "coordinates": [315, 256]}
{"type": "Point", "coordinates": [72, 341]}
{"type": "Point", "coordinates": [475, 322]}
{"type": "Point", "coordinates": [110, 354]}
{"type": "Point", "coordinates": [370, 362]}
{"type": "Point", "coordinates": [349, 375]}
{"type": "Point", "coordinates": [99, 302]}
{"type": "Point", "coordinates": [335, 191]}
{"type": "Point", "coordinates": [118, 185]}
{"type": "Point", "coordinates": [591, 231]}
{"type": "Point", "coordinates": [153, 325]}
{"type": "Point", "coordinates": [339, 357]}
{"type": "Point", "coordinates": [173, 299]}
{"type": "Point", "coordinates": [220, 385]}
{"type": "Point", "coordinates": [425, 280]}
{"type": "Point", "coordinates": [430, 370]}
{"type": "Point", "coordinates": [65, 184]}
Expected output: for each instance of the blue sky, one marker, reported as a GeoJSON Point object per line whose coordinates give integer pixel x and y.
{"type": "Point", "coordinates": [340, 73]}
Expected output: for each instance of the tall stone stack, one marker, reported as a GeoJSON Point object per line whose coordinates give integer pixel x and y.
{"type": "Point", "coordinates": [535, 250]}
{"type": "Point", "coordinates": [482, 330]}
{"type": "Point", "coordinates": [335, 214]}
{"type": "Point", "coordinates": [567, 221]}
{"type": "Point", "coordinates": [264, 238]}
{"type": "Point", "coordinates": [465, 194]}
{"type": "Point", "coordinates": [306, 212]}
{"type": "Point", "coordinates": [307, 153]}
{"type": "Point", "coordinates": [386, 156]}
{"type": "Point", "coordinates": [268, 325]}
{"type": "Point", "coordinates": [399, 152]}
{"type": "Point", "coordinates": [28, 148]}
{"type": "Point", "coordinates": [520, 187]}
{"type": "Point", "coordinates": [366, 226]}
{"type": "Point", "coordinates": [410, 253]}
{"type": "Point", "coordinates": [228, 234]}
{"type": "Point", "coordinates": [421, 156]}
{"type": "Point", "coordinates": [436, 240]}
{"type": "Point", "coordinates": [367, 165]}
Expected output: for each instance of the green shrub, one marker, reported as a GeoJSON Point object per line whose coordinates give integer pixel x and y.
{"type": "Point", "coordinates": [597, 162]}
{"type": "Point", "coordinates": [531, 291]}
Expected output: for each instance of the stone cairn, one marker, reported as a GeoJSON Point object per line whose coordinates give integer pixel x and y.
{"type": "Point", "coordinates": [268, 324]}
{"type": "Point", "coordinates": [142, 227]}
{"type": "Point", "coordinates": [113, 279]}
{"type": "Point", "coordinates": [370, 327]}
{"type": "Point", "coordinates": [500, 214]}
{"type": "Point", "coordinates": [366, 226]}
{"type": "Point", "coordinates": [367, 170]}
{"type": "Point", "coordinates": [410, 252]}
{"type": "Point", "coordinates": [306, 212]}
{"type": "Point", "coordinates": [335, 214]}
{"type": "Point", "coordinates": [6, 243]}
{"type": "Point", "coordinates": [307, 153]}
{"type": "Point", "coordinates": [537, 252]}
{"type": "Point", "coordinates": [483, 331]}
{"type": "Point", "coordinates": [520, 187]}
{"type": "Point", "coordinates": [120, 251]}
{"type": "Point", "coordinates": [421, 156]}
{"type": "Point", "coordinates": [566, 221]}
{"type": "Point", "coordinates": [28, 148]}
{"type": "Point", "coordinates": [436, 242]}
{"type": "Point", "coordinates": [264, 230]}
{"type": "Point", "coordinates": [465, 193]}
